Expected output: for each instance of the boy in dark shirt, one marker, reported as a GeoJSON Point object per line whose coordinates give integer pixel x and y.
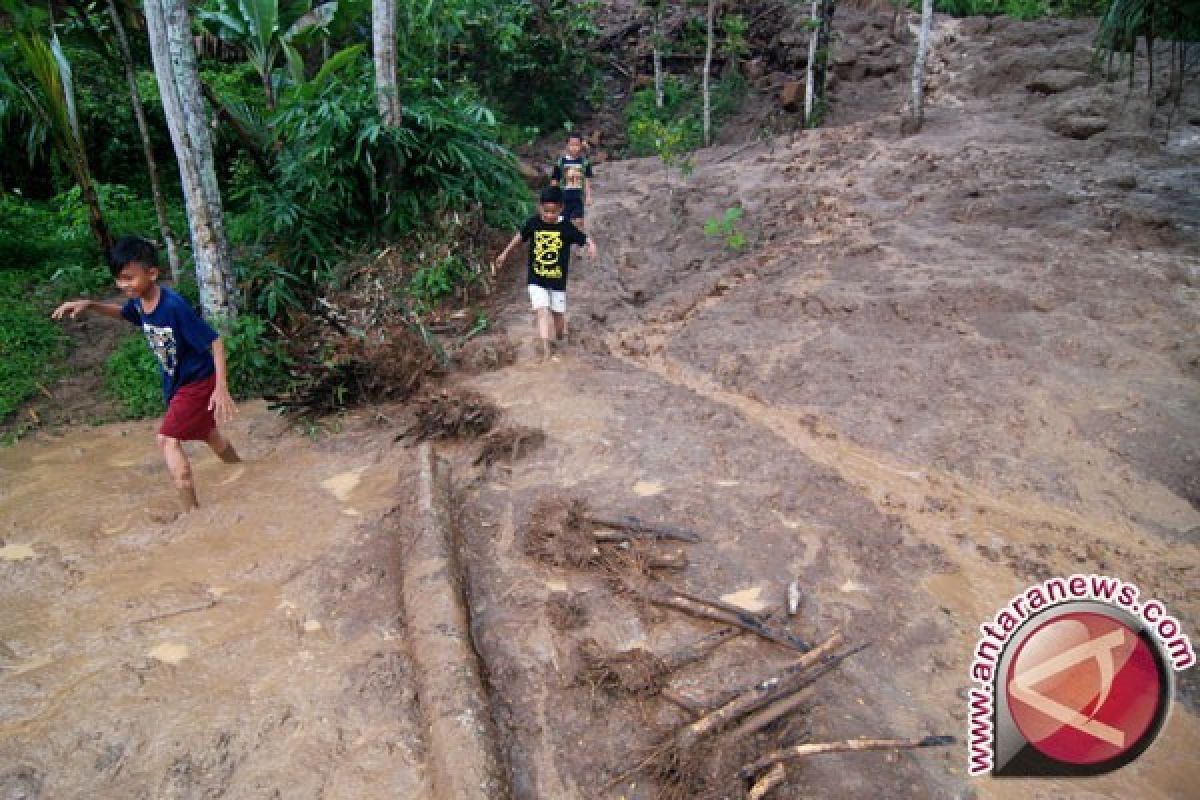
{"type": "Point", "coordinates": [191, 358]}
{"type": "Point", "coordinates": [573, 174]}
{"type": "Point", "coordinates": [550, 236]}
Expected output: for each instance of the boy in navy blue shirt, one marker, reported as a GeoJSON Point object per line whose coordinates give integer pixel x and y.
{"type": "Point", "coordinates": [191, 358]}
{"type": "Point", "coordinates": [573, 174]}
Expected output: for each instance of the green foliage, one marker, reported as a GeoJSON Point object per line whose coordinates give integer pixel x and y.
{"type": "Point", "coordinates": [433, 283]}
{"type": "Point", "coordinates": [726, 227]}
{"type": "Point", "coordinates": [131, 377]}
{"type": "Point", "coordinates": [257, 362]}
{"type": "Point", "coordinates": [676, 124]}
{"type": "Point", "coordinates": [1017, 9]}
{"type": "Point", "coordinates": [29, 343]}
{"type": "Point", "coordinates": [330, 191]}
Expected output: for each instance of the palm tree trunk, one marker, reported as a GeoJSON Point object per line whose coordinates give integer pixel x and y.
{"type": "Point", "coordinates": [183, 104]}
{"type": "Point", "coordinates": [918, 81]}
{"type": "Point", "coordinates": [383, 43]}
{"type": "Point", "coordinates": [135, 98]}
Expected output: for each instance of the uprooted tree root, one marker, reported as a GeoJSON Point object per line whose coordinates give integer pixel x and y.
{"type": "Point", "coordinates": [636, 672]}
{"type": "Point", "coordinates": [557, 534]}
{"type": "Point", "coordinates": [509, 444]}
{"type": "Point", "coordinates": [565, 612]}
{"type": "Point", "coordinates": [354, 370]}
{"type": "Point", "coordinates": [452, 415]}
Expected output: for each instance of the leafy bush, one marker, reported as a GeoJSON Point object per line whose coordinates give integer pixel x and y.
{"type": "Point", "coordinates": [29, 343]}
{"type": "Point", "coordinates": [647, 123]}
{"type": "Point", "coordinates": [1018, 9]}
{"type": "Point", "coordinates": [431, 284]}
{"type": "Point", "coordinates": [727, 228]}
{"type": "Point", "coordinates": [131, 377]}
{"type": "Point", "coordinates": [257, 363]}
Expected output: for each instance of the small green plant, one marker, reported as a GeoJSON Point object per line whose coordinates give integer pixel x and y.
{"type": "Point", "coordinates": [670, 140]}
{"type": "Point", "coordinates": [434, 282]}
{"type": "Point", "coordinates": [131, 377]}
{"type": "Point", "coordinates": [258, 363]}
{"type": "Point", "coordinates": [726, 227]}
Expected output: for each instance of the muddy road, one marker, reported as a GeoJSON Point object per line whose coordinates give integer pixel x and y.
{"type": "Point", "coordinates": [946, 367]}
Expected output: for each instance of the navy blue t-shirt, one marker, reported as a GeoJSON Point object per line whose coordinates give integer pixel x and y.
{"type": "Point", "coordinates": [570, 174]}
{"type": "Point", "coordinates": [177, 335]}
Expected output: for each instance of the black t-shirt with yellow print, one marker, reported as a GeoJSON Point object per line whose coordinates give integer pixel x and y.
{"type": "Point", "coordinates": [550, 250]}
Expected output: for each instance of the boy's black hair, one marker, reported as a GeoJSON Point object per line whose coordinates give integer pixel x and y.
{"type": "Point", "coordinates": [551, 194]}
{"type": "Point", "coordinates": [578, 136]}
{"type": "Point", "coordinates": [129, 249]}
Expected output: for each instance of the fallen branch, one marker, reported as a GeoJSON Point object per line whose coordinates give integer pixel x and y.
{"type": "Point", "coordinates": [707, 610]}
{"type": "Point", "coordinates": [788, 702]}
{"type": "Point", "coordinates": [177, 612]}
{"type": "Point", "coordinates": [793, 678]}
{"type": "Point", "coordinates": [635, 528]}
{"type": "Point", "coordinates": [774, 777]}
{"type": "Point", "coordinates": [849, 745]}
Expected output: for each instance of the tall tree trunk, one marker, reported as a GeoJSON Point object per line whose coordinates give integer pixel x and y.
{"type": "Point", "coordinates": [810, 68]}
{"type": "Point", "coordinates": [708, 51]}
{"type": "Point", "coordinates": [135, 98]}
{"type": "Point", "coordinates": [658, 73]}
{"type": "Point", "coordinates": [174, 57]}
{"type": "Point", "coordinates": [918, 81]}
{"type": "Point", "coordinates": [824, 45]}
{"type": "Point", "coordinates": [383, 40]}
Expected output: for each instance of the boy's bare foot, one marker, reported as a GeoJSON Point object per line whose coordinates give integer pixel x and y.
{"type": "Point", "coordinates": [229, 455]}
{"type": "Point", "coordinates": [187, 498]}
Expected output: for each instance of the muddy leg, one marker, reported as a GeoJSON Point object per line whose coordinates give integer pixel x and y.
{"type": "Point", "coordinates": [545, 326]}
{"type": "Point", "coordinates": [560, 326]}
{"type": "Point", "coordinates": [180, 469]}
{"type": "Point", "coordinates": [222, 447]}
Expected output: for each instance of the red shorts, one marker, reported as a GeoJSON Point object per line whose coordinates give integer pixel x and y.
{"type": "Point", "coordinates": [188, 416]}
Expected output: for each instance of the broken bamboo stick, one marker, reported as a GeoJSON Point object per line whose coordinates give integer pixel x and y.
{"type": "Point", "coordinates": [788, 702]}
{"type": "Point", "coordinates": [848, 745]}
{"type": "Point", "coordinates": [634, 527]}
{"type": "Point", "coordinates": [775, 776]}
{"type": "Point", "coordinates": [793, 678]}
{"type": "Point", "coordinates": [743, 620]}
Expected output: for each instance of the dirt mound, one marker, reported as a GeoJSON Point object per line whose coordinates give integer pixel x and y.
{"type": "Point", "coordinates": [452, 414]}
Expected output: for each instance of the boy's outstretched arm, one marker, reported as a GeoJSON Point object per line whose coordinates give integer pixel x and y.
{"type": "Point", "coordinates": [504, 253]}
{"type": "Point", "coordinates": [221, 402]}
{"type": "Point", "coordinates": [73, 308]}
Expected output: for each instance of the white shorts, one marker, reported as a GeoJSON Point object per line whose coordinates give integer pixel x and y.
{"type": "Point", "coordinates": [547, 298]}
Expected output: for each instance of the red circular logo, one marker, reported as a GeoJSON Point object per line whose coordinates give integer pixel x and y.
{"type": "Point", "coordinates": [1084, 688]}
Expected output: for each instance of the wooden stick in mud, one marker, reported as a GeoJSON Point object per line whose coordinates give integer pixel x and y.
{"type": "Point", "coordinates": [674, 698]}
{"type": "Point", "coordinates": [694, 651]}
{"type": "Point", "coordinates": [793, 678]}
{"type": "Point", "coordinates": [788, 702]}
{"type": "Point", "coordinates": [743, 620]}
{"type": "Point", "coordinates": [634, 527]}
{"type": "Point", "coordinates": [849, 745]}
{"type": "Point", "coordinates": [775, 776]}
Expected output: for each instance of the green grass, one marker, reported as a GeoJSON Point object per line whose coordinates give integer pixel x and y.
{"type": "Point", "coordinates": [31, 344]}
{"type": "Point", "coordinates": [131, 376]}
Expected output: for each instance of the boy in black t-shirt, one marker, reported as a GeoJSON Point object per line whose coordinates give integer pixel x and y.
{"type": "Point", "coordinates": [550, 236]}
{"type": "Point", "coordinates": [573, 174]}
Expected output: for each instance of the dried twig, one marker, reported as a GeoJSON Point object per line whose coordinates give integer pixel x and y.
{"type": "Point", "coordinates": [707, 610]}
{"type": "Point", "coordinates": [177, 612]}
{"type": "Point", "coordinates": [819, 748]}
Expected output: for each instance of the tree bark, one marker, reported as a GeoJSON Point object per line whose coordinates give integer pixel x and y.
{"type": "Point", "coordinates": [174, 56]}
{"type": "Point", "coordinates": [139, 113]}
{"type": "Point", "coordinates": [918, 81]}
{"type": "Point", "coordinates": [658, 74]}
{"type": "Point", "coordinates": [824, 43]}
{"type": "Point", "coordinates": [811, 66]}
{"type": "Point", "coordinates": [383, 41]}
{"type": "Point", "coordinates": [708, 51]}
